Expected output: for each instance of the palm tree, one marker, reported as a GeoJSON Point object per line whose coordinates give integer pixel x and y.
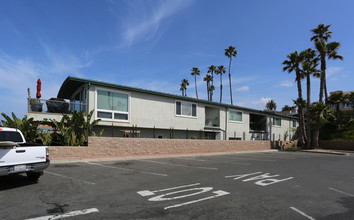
{"type": "Point", "coordinates": [195, 72]}
{"type": "Point", "coordinates": [337, 99]}
{"type": "Point", "coordinates": [230, 52]}
{"type": "Point", "coordinates": [212, 69]}
{"type": "Point", "coordinates": [320, 37]}
{"type": "Point", "coordinates": [287, 108]}
{"type": "Point", "coordinates": [221, 70]}
{"type": "Point", "coordinates": [309, 65]}
{"type": "Point", "coordinates": [351, 100]}
{"type": "Point", "coordinates": [271, 105]}
{"type": "Point", "coordinates": [186, 83]}
{"type": "Point", "coordinates": [292, 64]}
{"type": "Point", "coordinates": [318, 110]}
{"type": "Point", "coordinates": [208, 78]}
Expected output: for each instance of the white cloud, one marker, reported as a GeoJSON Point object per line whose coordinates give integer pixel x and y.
{"type": "Point", "coordinates": [286, 83]}
{"type": "Point", "coordinates": [332, 70]}
{"type": "Point", "coordinates": [261, 102]}
{"type": "Point", "coordinates": [144, 18]}
{"type": "Point", "coordinates": [243, 89]}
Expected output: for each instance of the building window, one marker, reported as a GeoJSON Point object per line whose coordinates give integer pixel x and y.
{"type": "Point", "coordinates": [235, 115]}
{"type": "Point", "coordinates": [186, 109]}
{"type": "Point", "coordinates": [277, 121]}
{"type": "Point", "coordinates": [112, 105]}
{"type": "Point", "coordinates": [294, 123]}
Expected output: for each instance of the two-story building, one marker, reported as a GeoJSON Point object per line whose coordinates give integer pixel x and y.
{"type": "Point", "coordinates": [135, 112]}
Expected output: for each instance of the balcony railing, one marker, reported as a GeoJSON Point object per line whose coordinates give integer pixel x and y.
{"type": "Point", "coordinates": [212, 122]}
{"type": "Point", "coordinates": [54, 106]}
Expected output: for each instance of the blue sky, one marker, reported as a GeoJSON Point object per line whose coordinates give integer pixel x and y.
{"type": "Point", "coordinates": [154, 44]}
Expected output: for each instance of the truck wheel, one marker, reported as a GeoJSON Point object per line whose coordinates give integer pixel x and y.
{"type": "Point", "coordinates": [34, 176]}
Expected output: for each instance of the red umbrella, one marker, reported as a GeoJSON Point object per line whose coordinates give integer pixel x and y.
{"type": "Point", "coordinates": [39, 87]}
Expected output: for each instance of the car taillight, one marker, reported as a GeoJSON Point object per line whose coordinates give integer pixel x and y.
{"type": "Point", "coordinates": [47, 153]}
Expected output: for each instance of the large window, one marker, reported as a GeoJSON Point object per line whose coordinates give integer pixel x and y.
{"type": "Point", "coordinates": [112, 105]}
{"type": "Point", "coordinates": [294, 123]}
{"type": "Point", "coordinates": [277, 121]}
{"type": "Point", "coordinates": [186, 109]}
{"type": "Point", "coordinates": [235, 116]}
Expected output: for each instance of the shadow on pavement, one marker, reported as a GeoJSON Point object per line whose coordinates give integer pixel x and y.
{"type": "Point", "coordinates": [14, 181]}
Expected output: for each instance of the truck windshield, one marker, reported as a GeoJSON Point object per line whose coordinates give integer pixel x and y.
{"type": "Point", "coordinates": [10, 136]}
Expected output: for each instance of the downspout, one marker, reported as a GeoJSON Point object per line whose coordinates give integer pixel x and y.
{"type": "Point", "coordinates": [87, 108]}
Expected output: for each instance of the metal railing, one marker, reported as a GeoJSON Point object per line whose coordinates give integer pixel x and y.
{"type": "Point", "coordinates": [54, 106]}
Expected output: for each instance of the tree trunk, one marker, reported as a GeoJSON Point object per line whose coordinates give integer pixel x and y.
{"type": "Point", "coordinates": [220, 87]}
{"type": "Point", "coordinates": [323, 75]}
{"type": "Point", "coordinates": [195, 80]}
{"type": "Point", "coordinates": [308, 131]}
{"type": "Point", "coordinates": [208, 91]}
{"type": "Point", "coordinates": [302, 136]}
{"type": "Point", "coordinates": [316, 134]}
{"type": "Point", "coordinates": [230, 81]}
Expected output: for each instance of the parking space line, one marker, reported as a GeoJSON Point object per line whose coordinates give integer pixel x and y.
{"type": "Point", "coordinates": [71, 178]}
{"type": "Point", "coordinates": [65, 215]}
{"type": "Point", "coordinates": [348, 194]}
{"type": "Point", "coordinates": [213, 161]}
{"type": "Point", "coordinates": [119, 168]}
{"type": "Point", "coordinates": [243, 158]}
{"type": "Point", "coordinates": [302, 213]}
{"type": "Point", "coordinates": [180, 165]}
{"type": "Point", "coordinates": [150, 193]}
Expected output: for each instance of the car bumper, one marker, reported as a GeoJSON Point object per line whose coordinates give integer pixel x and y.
{"type": "Point", "coordinates": [35, 167]}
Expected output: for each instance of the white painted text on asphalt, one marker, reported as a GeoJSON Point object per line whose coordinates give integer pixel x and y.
{"type": "Point", "coordinates": [262, 180]}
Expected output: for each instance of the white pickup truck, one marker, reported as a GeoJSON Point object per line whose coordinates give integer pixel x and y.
{"type": "Point", "coordinates": [17, 156]}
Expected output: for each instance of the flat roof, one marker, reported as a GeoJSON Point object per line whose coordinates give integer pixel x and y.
{"type": "Point", "coordinates": [71, 84]}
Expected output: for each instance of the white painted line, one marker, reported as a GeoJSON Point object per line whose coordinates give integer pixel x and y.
{"type": "Point", "coordinates": [71, 178]}
{"type": "Point", "coordinates": [213, 161]}
{"type": "Point", "coordinates": [65, 215]}
{"type": "Point", "coordinates": [180, 165]}
{"type": "Point", "coordinates": [239, 176]}
{"type": "Point", "coordinates": [243, 158]}
{"type": "Point", "coordinates": [164, 197]}
{"type": "Point", "coordinates": [119, 168]}
{"type": "Point", "coordinates": [218, 194]}
{"type": "Point", "coordinates": [348, 194]}
{"type": "Point", "coordinates": [302, 213]}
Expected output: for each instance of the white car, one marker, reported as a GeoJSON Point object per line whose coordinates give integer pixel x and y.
{"type": "Point", "coordinates": [17, 156]}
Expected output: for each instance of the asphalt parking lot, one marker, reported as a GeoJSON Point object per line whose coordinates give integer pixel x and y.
{"type": "Point", "coordinates": [263, 185]}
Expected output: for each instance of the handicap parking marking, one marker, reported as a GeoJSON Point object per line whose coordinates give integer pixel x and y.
{"type": "Point", "coordinates": [71, 178]}
{"type": "Point", "coordinates": [127, 169]}
{"type": "Point", "coordinates": [180, 165]}
{"type": "Point", "coordinates": [180, 190]}
{"type": "Point", "coordinates": [261, 180]}
{"type": "Point", "coordinates": [66, 215]}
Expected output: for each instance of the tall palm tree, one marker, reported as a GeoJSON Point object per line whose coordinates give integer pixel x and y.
{"type": "Point", "coordinates": [208, 79]}
{"type": "Point", "coordinates": [309, 67]}
{"type": "Point", "coordinates": [195, 72]}
{"type": "Point", "coordinates": [271, 105]}
{"type": "Point", "coordinates": [212, 69]}
{"type": "Point", "coordinates": [321, 34]}
{"type": "Point", "coordinates": [186, 83]}
{"type": "Point", "coordinates": [220, 70]}
{"type": "Point", "coordinates": [230, 52]}
{"type": "Point", "coordinates": [319, 110]}
{"type": "Point", "coordinates": [292, 64]}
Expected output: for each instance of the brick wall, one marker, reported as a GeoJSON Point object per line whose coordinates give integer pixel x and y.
{"type": "Point", "coordinates": [337, 145]}
{"type": "Point", "coordinates": [106, 147]}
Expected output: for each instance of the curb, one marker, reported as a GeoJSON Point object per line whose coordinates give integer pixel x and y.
{"type": "Point", "coordinates": [318, 152]}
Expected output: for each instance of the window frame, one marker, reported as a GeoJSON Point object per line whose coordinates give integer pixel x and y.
{"type": "Point", "coordinates": [186, 116]}
{"type": "Point", "coordinates": [273, 123]}
{"type": "Point", "coordinates": [294, 121]}
{"type": "Point", "coordinates": [112, 111]}
{"type": "Point", "coordinates": [232, 121]}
